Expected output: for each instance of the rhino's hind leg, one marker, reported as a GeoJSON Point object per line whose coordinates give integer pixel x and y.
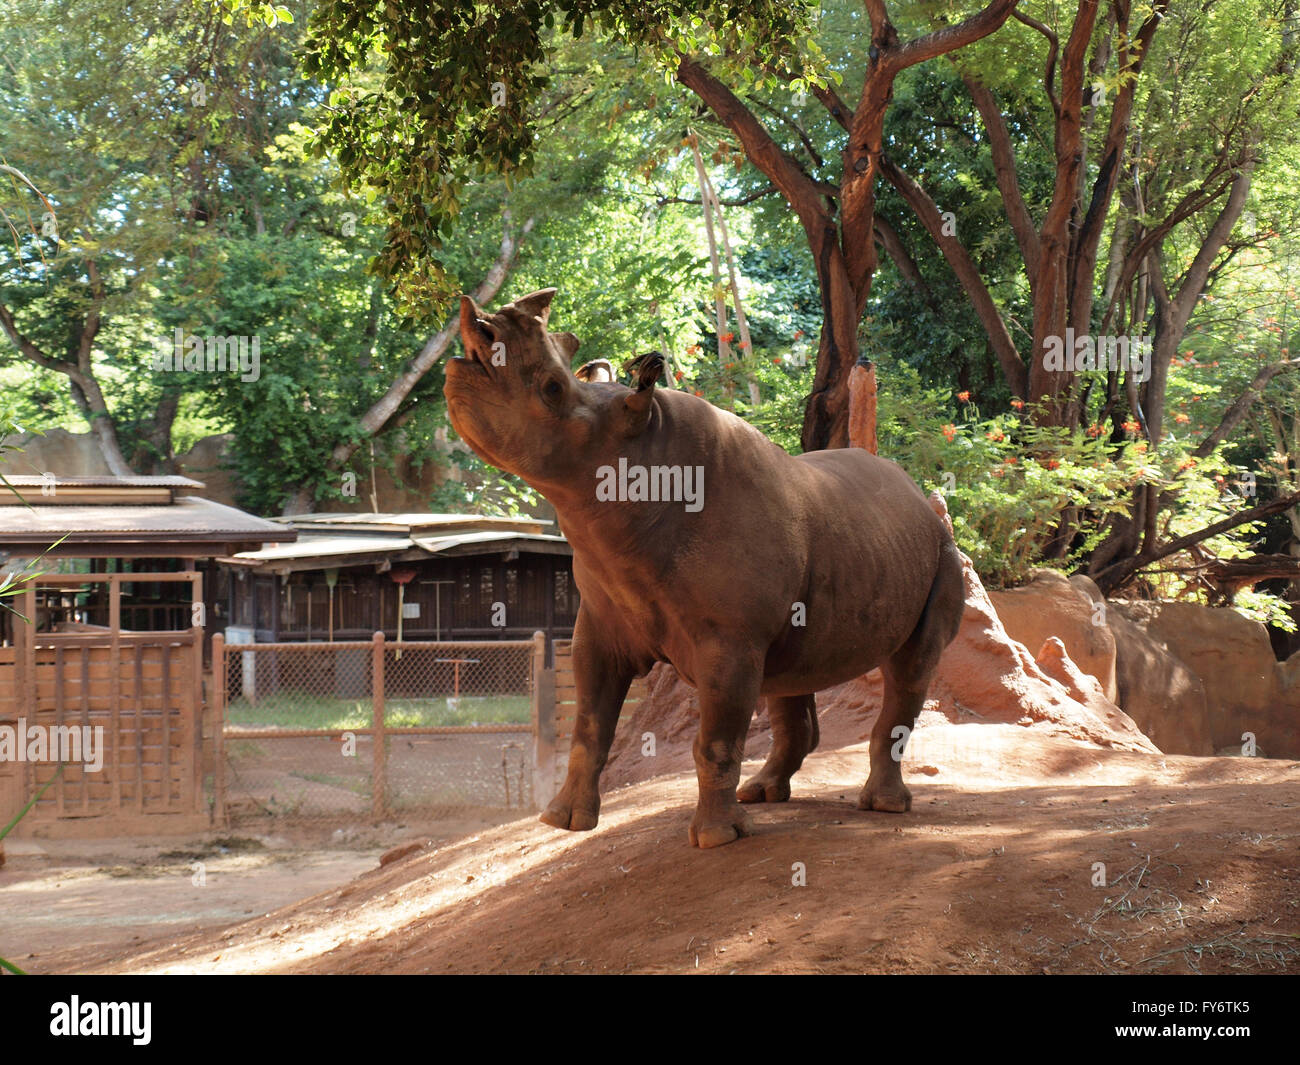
{"type": "Point", "coordinates": [884, 789]}
{"type": "Point", "coordinates": [907, 679]}
{"type": "Point", "coordinates": [794, 736]}
{"type": "Point", "coordinates": [602, 684]}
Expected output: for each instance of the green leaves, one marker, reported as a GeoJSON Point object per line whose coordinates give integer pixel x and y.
{"type": "Point", "coordinates": [254, 11]}
{"type": "Point", "coordinates": [465, 100]}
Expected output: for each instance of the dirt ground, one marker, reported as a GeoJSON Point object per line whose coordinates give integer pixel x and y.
{"type": "Point", "coordinates": [77, 900]}
{"type": "Point", "coordinates": [1023, 853]}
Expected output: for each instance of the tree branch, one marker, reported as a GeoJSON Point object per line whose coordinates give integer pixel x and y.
{"type": "Point", "coordinates": [1053, 50]}
{"type": "Point", "coordinates": [1114, 576]}
{"type": "Point", "coordinates": [737, 202]}
{"type": "Point", "coordinates": [782, 170]}
{"type": "Point", "coordinates": [1242, 404]}
{"type": "Point", "coordinates": [963, 266]}
{"type": "Point", "coordinates": [1004, 170]}
{"type": "Point", "coordinates": [950, 38]}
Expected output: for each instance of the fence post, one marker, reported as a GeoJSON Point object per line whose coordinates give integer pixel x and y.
{"type": "Point", "coordinates": [219, 729]}
{"type": "Point", "coordinates": [543, 725]}
{"type": "Point", "coordinates": [379, 772]}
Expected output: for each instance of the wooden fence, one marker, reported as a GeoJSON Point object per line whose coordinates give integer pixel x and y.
{"type": "Point", "coordinates": [134, 701]}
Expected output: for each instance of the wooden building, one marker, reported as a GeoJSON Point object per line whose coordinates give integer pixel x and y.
{"type": "Point", "coordinates": [111, 647]}
{"type": "Point", "coordinates": [410, 576]}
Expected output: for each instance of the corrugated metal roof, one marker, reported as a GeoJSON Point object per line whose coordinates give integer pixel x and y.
{"type": "Point", "coordinates": [28, 480]}
{"type": "Point", "coordinates": [308, 546]}
{"type": "Point", "coordinates": [187, 518]}
{"type": "Point", "coordinates": [408, 522]}
{"type": "Point", "coordinates": [323, 551]}
{"type": "Point", "coordinates": [437, 544]}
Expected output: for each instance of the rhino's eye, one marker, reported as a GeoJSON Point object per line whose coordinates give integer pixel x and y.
{"type": "Point", "coordinates": [552, 389]}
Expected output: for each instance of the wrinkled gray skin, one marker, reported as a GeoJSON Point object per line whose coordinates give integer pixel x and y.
{"type": "Point", "coordinates": [841, 538]}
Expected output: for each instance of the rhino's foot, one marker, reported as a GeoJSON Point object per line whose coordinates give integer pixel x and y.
{"type": "Point", "coordinates": [764, 788]}
{"type": "Point", "coordinates": [890, 797]}
{"type": "Point", "coordinates": [716, 828]}
{"type": "Point", "coordinates": [563, 813]}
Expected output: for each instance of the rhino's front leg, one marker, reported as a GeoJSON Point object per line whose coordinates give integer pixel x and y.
{"type": "Point", "coordinates": [602, 681]}
{"type": "Point", "coordinates": [728, 695]}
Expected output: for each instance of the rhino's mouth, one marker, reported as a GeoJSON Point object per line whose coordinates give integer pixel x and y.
{"type": "Point", "coordinates": [465, 373]}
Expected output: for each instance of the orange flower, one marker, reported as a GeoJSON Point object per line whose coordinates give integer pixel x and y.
{"type": "Point", "coordinates": [776, 362]}
{"type": "Point", "coordinates": [1019, 404]}
{"type": "Point", "coordinates": [1051, 464]}
{"type": "Point", "coordinates": [1096, 430]}
{"type": "Point", "coordinates": [1009, 461]}
{"type": "Point", "coordinates": [995, 435]}
{"type": "Point", "coordinates": [727, 338]}
{"type": "Point", "coordinates": [798, 333]}
{"type": "Point", "coordinates": [949, 430]}
{"type": "Point", "coordinates": [1186, 464]}
{"type": "Point", "coordinates": [1131, 426]}
{"type": "Point", "coordinates": [964, 396]}
{"type": "Point", "coordinates": [1181, 419]}
{"type": "Point", "coordinates": [679, 375]}
{"type": "Point", "coordinates": [699, 393]}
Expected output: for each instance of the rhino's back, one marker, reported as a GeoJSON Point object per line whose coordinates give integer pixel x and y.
{"type": "Point", "coordinates": [875, 490]}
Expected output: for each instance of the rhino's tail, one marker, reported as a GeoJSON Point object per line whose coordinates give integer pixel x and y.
{"type": "Point", "coordinates": [940, 506]}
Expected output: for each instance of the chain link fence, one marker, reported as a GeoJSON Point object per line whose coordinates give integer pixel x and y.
{"type": "Point", "coordinates": [353, 731]}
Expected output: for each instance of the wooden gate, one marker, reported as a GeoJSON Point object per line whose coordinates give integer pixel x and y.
{"type": "Point", "coordinates": [122, 710]}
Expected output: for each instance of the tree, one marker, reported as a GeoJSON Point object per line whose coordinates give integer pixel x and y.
{"type": "Point", "coordinates": [459, 82]}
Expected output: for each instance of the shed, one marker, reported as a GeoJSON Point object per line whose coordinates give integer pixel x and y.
{"type": "Point", "coordinates": [410, 576]}
{"type": "Point", "coordinates": [106, 673]}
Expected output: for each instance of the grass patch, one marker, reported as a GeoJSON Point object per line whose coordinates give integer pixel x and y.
{"type": "Point", "coordinates": [288, 709]}
{"type": "Point", "coordinates": [356, 785]}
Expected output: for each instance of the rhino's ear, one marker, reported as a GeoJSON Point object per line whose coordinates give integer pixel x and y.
{"type": "Point", "coordinates": [598, 370]}
{"type": "Point", "coordinates": [647, 368]}
{"type": "Point", "coordinates": [567, 342]}
{"type": "Point", "coordinates": [474, 332]}
{"type": "Point", "coordinates": [538, 303]}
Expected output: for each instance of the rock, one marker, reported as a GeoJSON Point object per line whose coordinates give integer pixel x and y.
{"type": "Point", "coordinates": [988, 673]}
{"type": "Point", "coordinates": [206, 461]}
{"type": "Point", "coordinates": [58, 451]}
{"type": "Point", "coordinates": [1158, 690]}
{"type": "Point", "coordinates": [1053, 606]}
{"type": "Point", "coordinates": [402, 850]}
{"type": "Point", "coordinates": [1233, 659]}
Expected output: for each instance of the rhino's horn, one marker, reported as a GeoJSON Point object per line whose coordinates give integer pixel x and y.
{"type": "Point", "coordinates": [472, 328]}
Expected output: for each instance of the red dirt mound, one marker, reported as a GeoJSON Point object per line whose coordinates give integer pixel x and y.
{"type": "Point", "coordinates": [1024, 853]}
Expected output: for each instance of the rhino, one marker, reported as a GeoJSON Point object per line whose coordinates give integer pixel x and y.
{"type": "Point", "coordinates": [752, 572]}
